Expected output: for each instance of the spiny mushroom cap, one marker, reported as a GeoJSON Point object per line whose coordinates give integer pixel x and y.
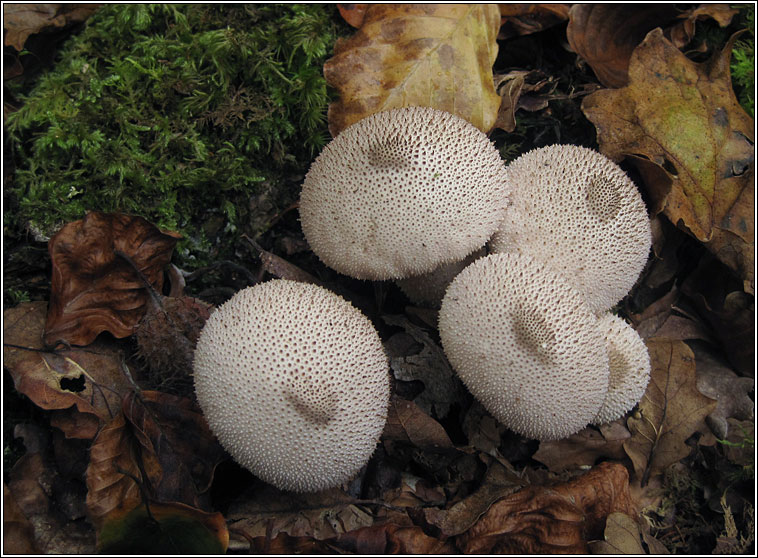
{"type": "Point", "coordinates": [576, 210]}
{"type": "Point", "coordinates": [429, 288]}
{"type": "Point", "coordinates": [401, 192]}
{"type": "Point", "coordinates": [294, 382]}
{"type": "Point", "coordinates": [525, 344]}
{"type": "Point", "coordinates": [630, 368]}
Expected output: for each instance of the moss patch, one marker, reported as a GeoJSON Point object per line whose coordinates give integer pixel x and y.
{"type": "Point", "coordinates": [200, 118]}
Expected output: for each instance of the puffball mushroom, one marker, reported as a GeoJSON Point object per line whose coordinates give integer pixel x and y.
{"type": "Point", "coordinates": [401, 192]}
{"type": "Point", "coordinates": [630, 368]}
{"type": "Point", "coordinates": [294, 382]}
{"type": "Point", "coordinates": [526, 345]}
{"type": "Point", "coordinates": [577, 211]}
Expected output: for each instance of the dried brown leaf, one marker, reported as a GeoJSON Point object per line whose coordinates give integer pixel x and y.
{"type": "Point", "coordinates": [172, 432]}
{"type": "Point", "coordinates": [18, 532]}
{"type": "Point", "coordinates": [94, 290]}
{"type": "Point", "coordinates": [549, 520]}
{"type": "Point", "coordinates": [671, 410]}
{"type": "Point", "coordinates": [111, 473]}
{"type": "Point", "coordinates": [270, 512]}
{"type": "Point", "coordinates": [388, 538]}
{"type": "Point", "coordinates": [22, 20]}
{"type": "Point", "coordinates": [83, 386]}
{"type": "Point", "coordinates": [353, 14]}
{"type": "Point", "coordinates": [719, 382]}
{"type": "Point", "coordinates": [428, 364]}
{"type": "Point", "coordinates": [584, 448]}
{"type": "Point", "coordinates": [437, 55]}
{"type": "Point", "coordinates": [730, 313]}
{"type": "Point", "coordinates": [523, 19]}
{"type": "Point", "coordinates": [697, 142]}
{"type": "Point", "coordinates": [606, 34]}
{"type": "Point", "coordinates": [621, 536]}
{"type": "Point", "coordinates": [498, 482]}
{"type": "Point", "coordinates": [684, 30]}
{"type": "Point", "coordinates": [406, 422]}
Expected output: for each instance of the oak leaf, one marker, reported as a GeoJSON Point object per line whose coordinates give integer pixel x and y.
{"type": "Point", "coordinates": [18, 532]}
{"type": "Point", "coordinates": [94, 289]}
{"type": "Point", "coordinates": [437, 55]}
{"type": "Point", "coordinates": [680, 122]}
{"type": "Point", "coordinates": [82, 386]}
{"type": "Point", "coordinates": [671, 410]}
{"type": "Point", "coordinates": [524, 19]}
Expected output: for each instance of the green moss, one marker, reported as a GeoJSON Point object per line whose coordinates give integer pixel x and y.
{"type": "Point", "coordinates": [200, 118]}
{"type": "Point", "coordinates": [743, 61]}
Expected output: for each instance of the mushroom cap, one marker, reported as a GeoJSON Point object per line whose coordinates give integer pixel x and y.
{"type": "Point", "coordinates": [630, 368]}
{"type": "Point", "coordinates": [401, 192]}
{"type": "Point", "coordinates": [429, 288]}
{"type": "Point", "coordinates": [577, 210]}
{"type": "Point", "coordinates": [294, 382]}
{"type": "Point", "coordinates": [525, 344]}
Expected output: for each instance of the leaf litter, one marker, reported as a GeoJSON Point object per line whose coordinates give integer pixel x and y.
{"type": "Point", "coordinates": [446, 476]}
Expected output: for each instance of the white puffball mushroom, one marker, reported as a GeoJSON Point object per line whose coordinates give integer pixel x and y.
{"type": "Point", "coordinates": [401, 192]}
{"type": "Point", "coordinates": [630, 368]}
{"type": "Point", "coordinates": [526, 345]}
{"type": "Point", "coordinates": [577, 211]}
{"type": "Point", "coordinates": [294, 382]}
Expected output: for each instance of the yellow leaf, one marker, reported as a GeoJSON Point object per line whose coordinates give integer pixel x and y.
{"type": "Point", "coordinates": [436, 55]}
{"type": "Point", "coordinates": [680, 122]}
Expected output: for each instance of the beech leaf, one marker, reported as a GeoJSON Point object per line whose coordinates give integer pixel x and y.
{"type": "Point", "coordinates": [671, 410]}
{"type": "Point", "coordinates": [83, 386]}
{"type": "Point", "coordinates": [692, 142]}
{"type": "Point", "coordinates": [94, 290]}
{"type": "Point", "coordinates": [437, 55]}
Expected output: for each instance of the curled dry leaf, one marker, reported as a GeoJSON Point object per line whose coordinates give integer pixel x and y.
{"type": "Point", "coordinates": [692, 142]}
{"type": "Point", "coordinates": [94, 290]}
{"type": "Point", "coordinates": [437, 55]}
{"type": "Point", "coordinates": [681, 33]}
{"type": "Point", "coordinates": [671, 410]}
{"type": "Point", "coordinates": [550, 520]}
{"type": "Point", "coordinates": [606, 34]}
{"type": "Point", "coordinates": [585, 447]}
{"type": "Point", "coordinates": [499, 481]}
{"type": "Point", "coordinates": [22, 20]}
{"type": "Point", "coordinates": [111, 473]}
{"type": "Point", "coordinates": [82, 386]}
